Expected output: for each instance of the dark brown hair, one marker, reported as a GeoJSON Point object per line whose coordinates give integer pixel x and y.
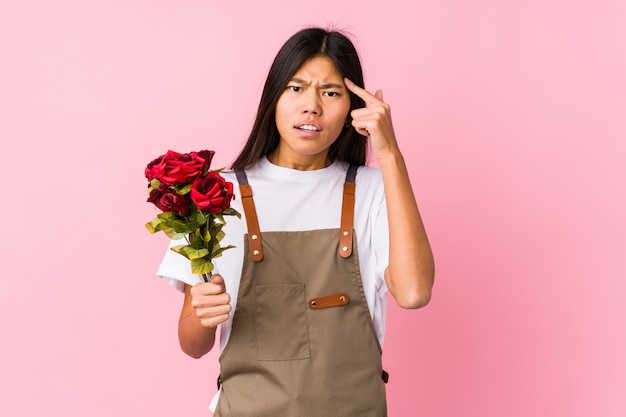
{"type": "Point", "coordinates": [350, 146]}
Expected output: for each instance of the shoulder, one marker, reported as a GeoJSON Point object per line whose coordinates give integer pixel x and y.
{"type": "Point", "coordinates": [369, 184]}
{"type": "Point", "coordinates": [369, 175]}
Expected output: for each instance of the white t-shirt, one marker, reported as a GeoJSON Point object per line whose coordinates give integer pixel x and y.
{"type": "Point", "coordinates": [292, 200]}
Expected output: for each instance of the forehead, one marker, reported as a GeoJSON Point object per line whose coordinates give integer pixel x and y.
{"type": "Point", "coordinates": [319, 67]}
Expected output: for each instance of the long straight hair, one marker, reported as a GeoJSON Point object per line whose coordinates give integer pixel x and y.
{"type": "Point", "coordinates": [308, 43]}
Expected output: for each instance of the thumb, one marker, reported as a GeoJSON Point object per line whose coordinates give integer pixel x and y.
{"type": "Point", "coordinates": [219, 281]}
{"type": "Point", "coordinates": [379, 95]}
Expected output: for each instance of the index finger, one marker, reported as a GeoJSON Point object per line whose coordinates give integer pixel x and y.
{"type": "Point", "coordinates": [368, 97]}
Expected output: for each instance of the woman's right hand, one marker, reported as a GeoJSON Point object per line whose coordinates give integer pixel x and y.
{"type": "Point", "coordinates": [211, 302]}
{"type": "Point", "coordinates": [206, 305]}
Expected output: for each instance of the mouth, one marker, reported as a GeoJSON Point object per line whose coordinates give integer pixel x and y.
{"type": "Point", "coordinates": [308, 127]}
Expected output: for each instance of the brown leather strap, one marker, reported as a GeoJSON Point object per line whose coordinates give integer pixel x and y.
{"type": "Point", "coordinates": [327, 301]}
{"type": "Point", "coordinates": [347, 214]}
{"type": "Point", "coordinates": [254, 233]}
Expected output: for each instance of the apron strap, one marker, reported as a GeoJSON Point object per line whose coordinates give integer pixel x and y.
{"type": "Point", "coordinates": [347, 213]}
{"type": "Point", "coordinates": [254, 233]}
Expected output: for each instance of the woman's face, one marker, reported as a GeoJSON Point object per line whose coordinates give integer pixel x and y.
{"type": "Point", "coordinates": [310, 114]}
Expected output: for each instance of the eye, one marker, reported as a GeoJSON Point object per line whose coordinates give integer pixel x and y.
{"type": "Point", "coordinates": [294, 88]}
{"type": "Point", "coordinates": [331, 93]}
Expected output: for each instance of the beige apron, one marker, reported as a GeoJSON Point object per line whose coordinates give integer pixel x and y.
{"type": "Point", "coordinates": [302, 343]}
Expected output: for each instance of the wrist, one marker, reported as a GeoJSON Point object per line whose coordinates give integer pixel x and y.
{"type": "Point", "coordinates": [390, 159]}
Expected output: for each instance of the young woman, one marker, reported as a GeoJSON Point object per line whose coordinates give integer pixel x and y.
{"type": "Point", "coordinates": [301, 300]}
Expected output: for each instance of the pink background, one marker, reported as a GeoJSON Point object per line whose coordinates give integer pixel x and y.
{"type": "Point", "coordinates": [511, 115]}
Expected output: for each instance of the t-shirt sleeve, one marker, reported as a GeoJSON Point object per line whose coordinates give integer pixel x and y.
{"type": "Point", "coordinates": [381, 242]}
{"type": "Point", "coordinates": [175, 269]}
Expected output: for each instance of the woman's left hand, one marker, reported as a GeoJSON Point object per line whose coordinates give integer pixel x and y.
{"type": "Point", "coordinates": [411, 269]}
{"type": "Point", "coordinates": [374, 121]}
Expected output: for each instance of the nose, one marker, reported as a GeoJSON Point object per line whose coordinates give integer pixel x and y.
{"type": "Point", "coordinates": [311, 103]}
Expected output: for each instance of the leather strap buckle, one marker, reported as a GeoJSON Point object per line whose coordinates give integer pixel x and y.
{"type": "Point", "coordinates": [335, 300]}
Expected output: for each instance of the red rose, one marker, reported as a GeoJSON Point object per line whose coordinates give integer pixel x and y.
{"type": "Point", "coordinates": [212, 193]}
{"type": "Point", "coordinates": [207, 156]}
{"type": "Point", "coordinates": [174, 168]}
{"type": "Point", "coordinates": [167, 199]}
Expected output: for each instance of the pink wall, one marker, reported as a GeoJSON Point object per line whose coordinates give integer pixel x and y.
{"type": "Point", "coordinates": [512, 118]}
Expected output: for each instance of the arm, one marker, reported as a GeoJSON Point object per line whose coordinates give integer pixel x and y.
{"type": "Point", "coordinates": [206, 305]}
{"type": "Point", "coordinates": [411, 270]}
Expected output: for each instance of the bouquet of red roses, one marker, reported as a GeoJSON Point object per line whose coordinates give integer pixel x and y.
{"type": "Point", "coordinates": [194, 200]}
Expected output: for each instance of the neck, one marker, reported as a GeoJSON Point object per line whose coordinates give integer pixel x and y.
{"type": "Point", "coordinates": [300, 162]}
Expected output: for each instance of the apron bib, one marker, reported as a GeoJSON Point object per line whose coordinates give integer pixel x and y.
{"type": "Point", "coordinates": [302, 342]}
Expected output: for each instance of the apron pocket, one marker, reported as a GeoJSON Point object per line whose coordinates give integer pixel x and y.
{"type": "Point", "coordinates": [280, 322]}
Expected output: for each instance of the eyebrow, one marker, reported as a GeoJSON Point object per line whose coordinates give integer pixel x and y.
{"type": "Point", "coordinates": [322, 86]}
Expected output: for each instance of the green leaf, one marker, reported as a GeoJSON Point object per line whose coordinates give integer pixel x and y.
{"type": "Point", "coordinates": [173, 234]}
{"type": "Point", "coordinates": [179, 249]}
{"type": "Point", "coordinates": [154, 225]}
{"type": "Point", "coordinates": [206, 236]}
{"type": "Point", "coordinates": [181, 226]}
{"type": "Point", "coordinates": [195, 239]}
{"type": "Point", "coordinates": [201, 266]}
{"type": "Point", "coordinates": [215, 228]}
{"type": "Point", "coordinates": [193, 253]}
{"type": "Point", "coordinates": [166, 216]}
{"type": "Point", "coordinates": [183, 190]}
{"type": "Point", "coordinates": [154, 184]}
{"type": "Point", "coordinates": [172, 225]}
{"type": "Point", "coordinates": [197, 217]}
{"type": "Point", "coordinates": [231, 212]}
{"type": "Point", "coordinates": [218, 252]}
